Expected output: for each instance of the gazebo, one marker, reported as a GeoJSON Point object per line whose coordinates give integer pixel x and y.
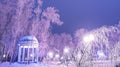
{"type": "Point", "coordinates": [28, 49]}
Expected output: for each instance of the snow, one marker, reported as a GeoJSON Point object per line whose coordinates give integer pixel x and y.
{"type": "Point", "coordinates": [53, 64]}
{"type": "Point", "coordinates": [104, 63]}
{"type": "Point", "coordinates": [7, 64]}
{"type": "Point", "coordinates": [30, 39]}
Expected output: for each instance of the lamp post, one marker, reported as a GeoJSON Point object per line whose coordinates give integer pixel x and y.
{"type": "Point", "coordinates": [57, 56]}
{"type": "Point", "coordinates": [50, 55]}
{"type": "Point", "coordinates": [87, 39]}
{"type": "Point", "coordinates": [66, 52]}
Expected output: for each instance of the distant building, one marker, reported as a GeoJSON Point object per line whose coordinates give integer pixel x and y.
{"type": "Point", "coordinates": [28, 49]}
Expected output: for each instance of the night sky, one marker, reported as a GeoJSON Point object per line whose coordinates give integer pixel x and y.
{"type": "Point", "coordinates": [88, 14]}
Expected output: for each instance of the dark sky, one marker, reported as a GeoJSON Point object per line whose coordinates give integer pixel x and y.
{"type": "Point", "coordinates": [87, 14]}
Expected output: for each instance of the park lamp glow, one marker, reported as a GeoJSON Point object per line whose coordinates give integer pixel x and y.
{"type": "Point", "coordinates": [88, 38]}
{"type": "Point", "coordinates": [57, 56]}
{"type": "Point", "coordinates": [66, 50]}
{"type": "Point", "coordinates": [100, 53]}
{"type": "Point", "coordinates": [50, 54]}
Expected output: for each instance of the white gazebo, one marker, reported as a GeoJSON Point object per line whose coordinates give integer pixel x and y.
{"type": "Point", "coordinates": [28, 49]}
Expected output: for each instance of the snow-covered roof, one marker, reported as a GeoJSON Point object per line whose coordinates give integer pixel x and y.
{"type": "Point", "coordinates": [28, 40]}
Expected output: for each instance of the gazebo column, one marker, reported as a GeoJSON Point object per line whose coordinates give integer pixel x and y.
{"type": "Point", "coordinates": [19, 54]}
{"type": "Point", "coordinates": [33, 55]}
{"type": "Point", "coordinates": [23, 55]}
{"type": "Point", "coordinates": [36, 54]}
{"type": "Point", "coordinates": [28, 54]}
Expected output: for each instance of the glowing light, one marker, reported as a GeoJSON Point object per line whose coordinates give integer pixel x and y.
{"type": "Point", "coordinates": [100, 54]}
{"type": "Point", "coordinates": [31, 55]}
{"type": "Point", "coordinates": [4, 55]}
{"type": "Point", "coordinates": [62, 57]}
{"type": "Point", "coordinates": [50, 54]}
{"type": "Point", "coordinates": [66, 50]}
{"type": "Point", "coordinates": [88, 38]}
{"type": "Point", "coordinates": [57, 56]}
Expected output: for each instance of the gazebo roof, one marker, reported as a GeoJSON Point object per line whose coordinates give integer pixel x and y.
{"type": "Point", "coordinates": [28, 40]}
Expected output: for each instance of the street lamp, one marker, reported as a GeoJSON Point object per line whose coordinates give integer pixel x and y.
{"type": "Point", "coordinates": [57, 56]}
{"type": "Point", "coordinates": [88, 38]}
{"type": "Point", "coordinates": [50, 54]}
{"type": "Point", "coordinates": [66, 55]}
{"type": "Point", "coordinates": [66, 50]}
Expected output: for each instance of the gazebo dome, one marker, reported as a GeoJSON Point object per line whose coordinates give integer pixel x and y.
{"type": "Point", "coordinates": [28, 40]}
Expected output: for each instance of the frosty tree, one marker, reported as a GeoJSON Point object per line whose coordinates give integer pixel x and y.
{"type": "Point", "coordinates": [18, 20]}
{"type": "Point", "coordinates": [104, 47]}
{"type": "Point", "coordinates": [82, 53]}
{"type": "Point", "coordinates": [59, 42]}
{"type": "Point", "coordinates": [106, 38]}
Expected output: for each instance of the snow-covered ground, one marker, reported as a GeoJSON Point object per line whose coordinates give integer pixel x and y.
{"type": "Point", "coordinates": [7, 64]}
{"type": "Point", "coordinates": [54, 64]}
